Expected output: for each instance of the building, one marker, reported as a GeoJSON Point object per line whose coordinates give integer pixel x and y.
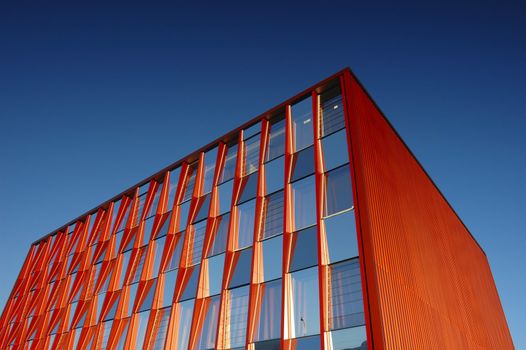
{"type": "Point", "coordinates": [310, 227]}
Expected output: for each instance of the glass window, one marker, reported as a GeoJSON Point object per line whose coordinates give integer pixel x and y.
{"type": "Point", "coordinates": [307, 343]}
{"type": "Point", "coordinates": [236, 317]}
{"type": "Point", "coordinates": [229, 169]}
{"type": "Point", "coordinates": [251, 155]}
{"type": "Point", "coordinates": [273, 209]}
{"type": "Point", "coordinates": [304, 249]}
{"type": "Point", "coordinates": [198, 237]}
{"type": "Point", "coordinates": [341, 236]}
{"type": "Point", "coordinates": [152, 210]}
{"type": "Point", "coordinates": [224, 192]}
{"type": "Point", "coordinates": [175, 254]}
{"type": "Point", "coordinates": [338, 191]}
{"type": "Point", "coordinates": [303, 164]}
{"type": "Point", "coordinates": [272, 253]}
{"type": "Point", "coordinates": [191, 279]}
{"type": "Point", "coordinates": [248, 188]}
{"type": "Point", "coordinates": [345, 295]}
{"type": "Point", "coordinates": [331, 111]}
{"type": "Point", "coordinates": [350, 338]}
{"type": "Point", "coordinates": [304, 199]}
{"type": "Point", "coordinates": [164, 225]}
{"type": "Point", "coordinates": [148, 299]}
{"type": "Point", "coordinates": [148, 226]}
{"type": "Point", "coordinates": [114, 214]}
{"type": "Point", "coordinates": [251, 130]}
{"type": "Point", "coordinates": [268, 345]}
{"type": "Point", "coordinates": [268, 324]}
{"type": "Point", "coordinates": [110, 315]}
{"type": "Point", "coordinates": [241, 268]}
{"type": "Point", "coordinates": [124, 266]}
{"type": "Point", "coordinates": [190, 181]}
{"type": "Point", "coordinates": [185, 311]}
{"type": "Point", "coordinates": [142, 201]}
{"type": "Point", "coordinates": [132, 295]}
{"type": "Point", "coordinates": [210, 166]}
{"type": "Point", "coordinates": [203, 206]}
{"type": "Point", "coordinates": [216, 265]}
{"type": "Point", "coordinates": [207, 338]}
{"type": "Point", "coordinates": [121, 339]}
{"type": "Point", "coordinates": [274, 174]}
{"type": "Point", "coordinates": [221, 235]}
{"type": "Point", "coordinates": [334, 149]}
{"type": "Point", "coordinates": [245, 226]}
{"type": "Point", "coordinates": [172, 189]}
{"type": "Point", "coordinates": [276, 142]}
{"type": "Point", "coordinates": [302, 124]}
{"type": "Point", "coordinates": [124, 220]}
{"type": "Point", "coordinates": [141, 328]}
{"type": "Point", "coordinates": [158, 255]}
{"type": "Point", "coordinates": [170, 279]}
{"type": "Point", "coordinates": [306, 318]}
{"type": "Point", "coordinates": [184, 210]}
{"type": "Point", "coordinates": [161, 328]}
{"type": "Point", "coordinates": [139, 263]}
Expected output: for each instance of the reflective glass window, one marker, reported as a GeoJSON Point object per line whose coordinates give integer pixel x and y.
{"type": "Point", "coordinates": [132, 290]}
{"type": "Point", "coordinates": [229, 168]}
{"type": "Point", "coordinates": [274, 175]}
{"type": "Point", "coordinates": [184, 210]}
{"type": "Point", "coordinates": [121, 339]}
{"type": "Point", "coordinates": [276, 141]}
{"type": "Point", "coordinates": [338, 191]}
{"type": "Point", "coordinates": [224, 192]}
{"type": "Point", "coordinates": [161, 328]}
{"type": "Point", "coordinates": [304, 249]}
{"type": "Point", "coordinates": [170, 279]}
{"type": "Point", "coordinates": [236, 317]}
{"type": "Point", "coordinates": [241, 268]}
{"type": "Point", "coordinates": [334, 149]}
{"type": "Point", "coordinates": [248, 188]}
{"type": "Point", "coordinates": [210, 166]}
{"type": "Point", "coordinates": [268, 345]}
{"type": "Point", "coordinates": [110, 315]}
{"type": "Point", "coordinates": [165, 225]}
{"type": "Point", "coordinates": [148, 299]}
{"type": "Point", "coordinates": [141, 328]}
{"type": "Point", "coordinates": [345, 295]}
{"type": "Point", "coordinates": [124, 266]}
{"type": "Point", "coordinates": [272, 253]}
{"type": "Point", "coordinates": [273, 210]}
{"type": "Point", "coordinates": [303, 164]}
{"type": "Point", "coordinates": [207, 338]}
{"type": "Point", "coordinates": [158, 255]}
{"type": "Point", "coordinates": [203, 206]}
{"type": "Point", "coordinates": [172, 189]}
{"type": "Point", "coordinates": [198, 236]}
{"type": "Point", "coordinates": [306, 319]}
{"type": "Point", "coordinates": [139, 264]}
{"type": "Point", "coordinates": [304, 199]}
{"type": "Point", "coordinates": [268, 324]}
{"type": "Point", "coordinates": [341, 236]}
{"type": "Point", "coordinates": [331, 111]}
{"type": "Point", "coordinates": [251, 155]}
{"type": "Point", "coordinates": [307, 343]}
{"type": "Point", "coordinates": [175, 254]}
{"type": "Point", "coordinates": [349, 338]}
{"type": "Point", "coordinates": [220, 236]}
{"type": "Point", "coordinates": [302, 124]}
{"type": "Point", "coordinates": [185, 311]}
{"type": "Point", "coordinates": [245, 225]}
{"type": "Point", "coordinates": [142, 201]}
{"type": "Point", "coordinates": [190, 182]}
{"type": "Point", "coordinates": [152, 210]}
{"type": "Point", "coordinates": [251, 130]}
{"type": "Point", "coordinates": [147, 233]}
{"type": "Point", "coordinates": [191, 278]}
{"type": "Point", "coordinates": [216, 265]}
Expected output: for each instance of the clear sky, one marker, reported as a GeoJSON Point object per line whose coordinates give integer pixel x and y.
{"type": "Point", "coordinates": [94, 98]}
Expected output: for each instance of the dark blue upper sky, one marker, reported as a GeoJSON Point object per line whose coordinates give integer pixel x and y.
{"type": "Point", "coordinates": [94, 98]}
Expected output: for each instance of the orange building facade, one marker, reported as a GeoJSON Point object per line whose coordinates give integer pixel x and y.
{"type": "Point", "coordinates": [312, 226]}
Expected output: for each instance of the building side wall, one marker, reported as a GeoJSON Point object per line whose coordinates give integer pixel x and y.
{"type": "Point", "coordinates": [429, 283]}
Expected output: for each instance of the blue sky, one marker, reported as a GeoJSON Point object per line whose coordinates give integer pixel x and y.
{"type": "Point", "coordinates": [94, 98]}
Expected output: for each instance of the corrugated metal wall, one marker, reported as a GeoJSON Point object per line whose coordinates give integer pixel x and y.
{"type": "Point", "coordinates": [429, 283]}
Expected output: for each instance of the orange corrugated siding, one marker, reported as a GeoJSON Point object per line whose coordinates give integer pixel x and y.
{"type": "Point", "coordinates": [429, 283]}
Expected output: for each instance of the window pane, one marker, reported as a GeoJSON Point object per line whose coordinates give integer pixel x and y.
{"type": "Point", "coordinates": [170, 279]}
{"type": "Point", "coordinates": [124, 267]}
{"type": "Point", "coordinates": [251, 130]}
{"type": "Point", "coordinates": [345, 295]}
{"type": "Point", "coordinates": [302, 124]}
{"type": "Point", "coordinates": [268, 325]}
{"type": "Point", "coordinates": [192, 279]}
{"type": "Point", "coordinates": [245, 226]}
{"type": "Point", "coordinates": [152, 210]}
{"type": "Point", "coordinates": [132, 295]}
{"type": "Point", "coordinates": [198, 236]}
{"type": "Point", "coordinates": [248, 188]}
{"type": "Point", "coordinates": [335, 151]}
{"type": "Point", "coordinates": [251, 155]}
{"type": "Point", "coordinates": [272, 254]}
{"type": "Point", "coordinates": [273, 215]}
{"type": "Point", "coordinates": [303, 164]}
{"type": "Point", "coordinates": [306, 318]}
{"type": "Point", "coordinates": [276, 142]}
{"type": "Point", "coordinates": [148, 299]}
{"type": "Point", "coordinates": [174, 179]}
{"type": "Point", "coordinates": [185, 310]}
{"type": "Point", "coordinates": [304, 249]}
{"type": "Point", "coordinates": [236, 317]}
{"type": "Point", "coordinates": [216, 265]}
{"type": "Point", "coordinates": [338, 191]}
{"type": "Point", "coordinates": [307, 343]}
{"type": "Point", "coordinates": [207, 338]}
{"type": "Point", "coordinates": [221, 234]}
{"type": "Point", "coordinates": [274, 174]}
{"type": "Point", "coordinates": [203, 207]}
{"type": "Point", "coordinates": [158, 255]}
{"type": "Point", "coordinates": [241, 268]}
{"type": "Point", "coordinates": [268, 345]}
{"type": "Point", "coordinates": [210, 165]}
{"type": "Point", "coordinates": [341, 236]}
{"type": "Point", "coordinates": [190, 182]}
{"type": "Point", "coordinates": [331, 111]}
{"type": "Point", "coordinates": [175, 255]}
{"type": "Point", "coordinates": [147, 233]}
{"type": "Point", "coordinates": [183, 215]}
{"type": "Point", "coordinates": [350, 338]}
{"type": "Point", "coordinates": [304, 199]}
{"type": "Point", "coordinates": [229, 169]}
{"type": "Point", "coordinates": [161, 328]}
{"type": "Point", "coordinates": [225, 196]}
{"type": "Point", "coordinates": [139, 264]}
